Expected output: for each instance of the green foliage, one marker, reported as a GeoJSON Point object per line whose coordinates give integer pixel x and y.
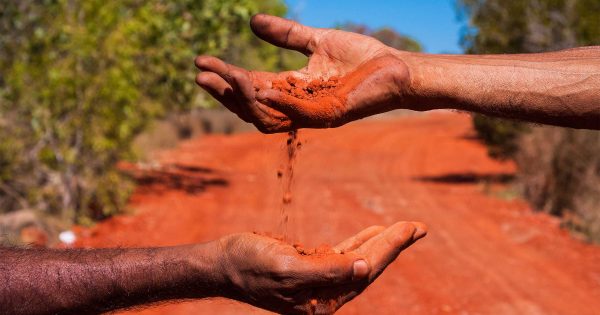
{"type": "Point", "coordinates": [559, 168]}
{"type": "Point", "coordinates": [80, 79]}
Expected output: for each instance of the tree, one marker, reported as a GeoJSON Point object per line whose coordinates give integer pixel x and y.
{"type": "Point", "coordinates": [559, 169]}
{"type": "Point", "coordinates": [80, 79]}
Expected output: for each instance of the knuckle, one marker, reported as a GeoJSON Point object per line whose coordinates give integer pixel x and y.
{"type": "Point", "coordinates": [283, 268]}
{"type": "Point", "coordinates": [261, 127]}
{"type": "Point", "coordinates": [288, 283]}
{"type": "Point", "coordinates": [237, 74]}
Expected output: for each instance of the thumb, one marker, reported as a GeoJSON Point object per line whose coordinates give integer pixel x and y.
{"type": "Point", "coordinates": [336, 269]}
{"type": "Point", "coordinates": [284, 33]}
{"type": "Point", "coordinates": [384, 248]}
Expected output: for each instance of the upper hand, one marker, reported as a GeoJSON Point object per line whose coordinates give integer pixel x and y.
{"type": "Point", "coordinates": [271, 274]}
{"type": "Point", "coordinates": [372, 76]}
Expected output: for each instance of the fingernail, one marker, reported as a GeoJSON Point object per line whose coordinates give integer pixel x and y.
{"type": "Point", "coordinates": [360, 269]}
{"type": "Point", "coordinates": [420, 230]}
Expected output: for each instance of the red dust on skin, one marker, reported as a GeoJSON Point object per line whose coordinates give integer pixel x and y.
{"type": "Point", "coordinates": [317, 304]}
{"type": "Point", "coordinates": [324, 102]}
{"type": "Point", "coordinates": [301, 89]}
{"type": "Point", "coordinates": [319, 251]}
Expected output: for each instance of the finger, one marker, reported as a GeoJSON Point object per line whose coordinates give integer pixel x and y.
{"type": "Point", "coordinates": [237, 77]}
{"type": "Point", "coordinates": [384, 248]}
{"type": "Point", "coordinates": [241, 82]}
{"type": "Point", "coordinates": [213, 64]}
{"type": "Point", "coordinates": [222, 91]}
{"type": "Point", "coordinates": [352, 291]}
{"type": "Point", "coordinates": [333, 269]}
{"type": "Point", "coordinates": [356, 240]}
{"type": "Point", "coordinates": [261, 79]}
{"type": "Point", "coordinates": [218, 66]}
{"type": "Point", "coordinates": [285, 33]}
{"type": "Point", "coordinates": [217, 88]}
{"type": "Point", "coordinates": [277, 122]}
{"type": "Point", "coordinates": [421, 230]}
{"type": "Point", "coordinates": [267, 120]}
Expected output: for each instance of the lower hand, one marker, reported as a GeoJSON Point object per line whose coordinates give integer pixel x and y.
{"type": "Point", "coordinates": [273, 275]}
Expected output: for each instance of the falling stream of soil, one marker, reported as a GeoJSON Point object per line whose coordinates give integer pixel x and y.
{"type": "Point", "coordinates": [304, 90]}
{"type": "Point", "coordinates": [286, 176]}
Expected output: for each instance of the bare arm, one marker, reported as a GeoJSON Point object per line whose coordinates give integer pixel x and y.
{"type": "Point", "coordinates": [559, 88]}
{"type": "Point", "coordinates": [46, 281]}
{"type": "Point", "coordinates": [250, 268]}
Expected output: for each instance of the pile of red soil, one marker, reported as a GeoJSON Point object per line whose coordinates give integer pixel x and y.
{"type": "Point", "coordinates": [322, 250]}
{"type": "Point", "coordinates": [307, 90]}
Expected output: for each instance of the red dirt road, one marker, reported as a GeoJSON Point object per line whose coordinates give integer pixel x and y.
{"type": "Point", "coordinates": [483, 254]}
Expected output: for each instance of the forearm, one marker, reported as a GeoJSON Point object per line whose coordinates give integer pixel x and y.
{"type": "Point", "coordinates": [559, 88]}
{"type": "Point", "coordinates": [94, 281]}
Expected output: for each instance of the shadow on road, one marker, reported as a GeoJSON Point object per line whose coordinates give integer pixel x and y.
{"type": "Point", "coordinates": [187, 178]}
{"type": "Point", "coordinates": [467, 178]}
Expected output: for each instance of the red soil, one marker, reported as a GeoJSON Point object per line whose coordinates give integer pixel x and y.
{"type": "Point", "coordinates": [287, 176]}
{"type": "Point", "coordinates": [307, 90]}
{"type": "Point", "coordinates": [483, 254]}
{"type": "Point", "coordinates": [321, 250]}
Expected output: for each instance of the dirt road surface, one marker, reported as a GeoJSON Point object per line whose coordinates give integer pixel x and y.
{"type": "Point", "coordinates": [485, 253]}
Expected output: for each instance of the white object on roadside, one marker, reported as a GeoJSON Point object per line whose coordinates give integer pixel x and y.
{"type": "Point", "coordinates": [67, 237]}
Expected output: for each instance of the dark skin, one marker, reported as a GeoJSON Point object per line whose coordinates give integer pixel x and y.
{"type": "Point", "coordinates": [557, 88]}
{"type": "Point", "coordinates": [250, 268]}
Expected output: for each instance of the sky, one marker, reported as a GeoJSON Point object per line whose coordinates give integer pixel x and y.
{"type": "Point", "coordinates": [433, 23]}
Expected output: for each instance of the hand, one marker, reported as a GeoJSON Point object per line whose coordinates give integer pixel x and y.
{"type": "Point", "coordinates": [271, 274]}
{"type": "Point", "coordinates": [371, 78]}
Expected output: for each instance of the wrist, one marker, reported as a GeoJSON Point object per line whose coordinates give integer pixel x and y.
{"type": "Point", "coordinates": [425, 89]}
{"type": "Point", "coordinates": [378, 85]}
{"type": "Point", "coordinates": [206, 266]}
{"type": "Point", "coordinates": [227, 268]}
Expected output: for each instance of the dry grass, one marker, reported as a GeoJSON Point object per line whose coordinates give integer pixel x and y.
{"type": "Point", "coordinates": [559, 171]}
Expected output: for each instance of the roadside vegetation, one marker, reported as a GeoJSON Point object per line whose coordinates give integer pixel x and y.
{"type": "Point", "coordinates": [558, 168]}
{"type": "Point", "coordinates": [80, 80]}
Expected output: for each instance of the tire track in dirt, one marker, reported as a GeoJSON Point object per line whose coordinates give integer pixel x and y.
{"type": "Point", "coordinates": [484, 255]}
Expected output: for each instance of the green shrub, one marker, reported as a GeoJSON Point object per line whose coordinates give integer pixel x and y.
{"type": "Point", "coordinates": [80, 80]}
